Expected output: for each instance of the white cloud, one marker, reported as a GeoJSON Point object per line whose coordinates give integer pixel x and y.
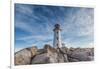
{"type": "Point", "coordinates": [81, 23]}
{"type": "Point", "coordinates": [24, 26]}
{"type": "Point", "coordinates": [23, 9]}
{"type": "Point", "coordinates": [76, 23]}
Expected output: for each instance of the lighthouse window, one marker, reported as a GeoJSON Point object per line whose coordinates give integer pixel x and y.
{"type": "Point", "coordinates": [57, 44]}
{"type": "Point", "coordinates": [57, 38]}
{"type": "Point", "coordinates": [57, 32]}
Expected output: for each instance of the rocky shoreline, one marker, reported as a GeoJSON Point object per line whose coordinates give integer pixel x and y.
{"type": "Point", "coordinates": [48, 54]}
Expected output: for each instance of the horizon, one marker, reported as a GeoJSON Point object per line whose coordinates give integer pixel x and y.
{"type": "Point", "coordinates": [34, 25]}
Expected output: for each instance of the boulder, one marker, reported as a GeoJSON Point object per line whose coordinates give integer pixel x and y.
{"type": "Point", "coordinates": [73, 60]}
{"type": "Point", "coordinates": [33, 50]}
{"type": "Point", "coordinates": [41, 51]}
{"type": "Point", "coordinates": [80, 55]}
{"type": "Point", "coordinates": [24, 56]}
{"type": "Point", "coordinates": [41, 59]}
{"type": "Point", "coordinates": [45, 55]}
{"type": "Point", "coordinates": [50, 55]}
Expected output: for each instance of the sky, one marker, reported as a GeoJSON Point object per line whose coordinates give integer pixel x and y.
{"type": "Point", "coordinates": [34, 25]}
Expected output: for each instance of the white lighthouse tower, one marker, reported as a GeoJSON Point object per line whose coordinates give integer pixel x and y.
{"type": "Point", "coordinates": [57, 36]}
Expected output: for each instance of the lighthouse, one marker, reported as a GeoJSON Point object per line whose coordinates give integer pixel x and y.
{"type": "Point", "coordinates": [57, 36]}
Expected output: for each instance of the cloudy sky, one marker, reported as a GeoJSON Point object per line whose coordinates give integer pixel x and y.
{"type": "Point", "coordinates": [34, 25]}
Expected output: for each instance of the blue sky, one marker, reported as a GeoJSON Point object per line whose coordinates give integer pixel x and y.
{"type": "Point", "coordinates": [34, 25]}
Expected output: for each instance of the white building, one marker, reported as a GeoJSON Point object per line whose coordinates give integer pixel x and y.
{"type": "Point", "coordinates": [57, 36]}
